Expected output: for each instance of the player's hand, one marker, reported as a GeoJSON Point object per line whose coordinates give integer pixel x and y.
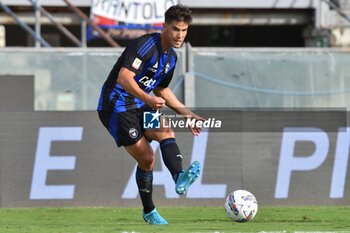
{"type": "Point", "coordinates": [196, 130]}
{"type": "Point", "coordinates": [156, 102]}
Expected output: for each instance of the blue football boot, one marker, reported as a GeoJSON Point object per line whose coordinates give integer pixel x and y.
{"type": "Point", "coordinates": [186, 178]}
{"type": "Point", "coordinates": [154, 218]}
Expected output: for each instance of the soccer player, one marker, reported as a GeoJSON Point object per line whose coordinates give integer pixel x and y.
{"type": "Point", "coordinates": [147, 64]}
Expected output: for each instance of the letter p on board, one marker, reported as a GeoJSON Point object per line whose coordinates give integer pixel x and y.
{"type": "Point", "coordinates": [289, 162]}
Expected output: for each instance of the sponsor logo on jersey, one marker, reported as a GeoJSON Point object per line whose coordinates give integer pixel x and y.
{"type": "Point", "coordinates": [154, 68]}
{"type": "Point", "coordinates": [146, 81]}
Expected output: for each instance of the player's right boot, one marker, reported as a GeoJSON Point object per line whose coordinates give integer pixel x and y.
{"type": "Point", "coordinates": [187, 177]}
{"type": "Point", "coordinates": [154, 218]}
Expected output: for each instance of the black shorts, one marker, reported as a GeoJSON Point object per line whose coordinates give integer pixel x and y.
{"type": "Point", "coordinates": [125, 127]}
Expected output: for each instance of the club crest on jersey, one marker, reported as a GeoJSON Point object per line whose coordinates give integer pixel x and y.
{"type": "Point", "coordinates": [166, 68]}
{"type": "Point", "coordinates": [133, 133]}
{"type": "Point", "coordinates": [136, 64]}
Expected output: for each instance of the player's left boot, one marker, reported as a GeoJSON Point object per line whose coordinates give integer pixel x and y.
{"type": "Point", "coordinates": [187, 177]}
{"type": "Point", "coordinates": [154, 218]}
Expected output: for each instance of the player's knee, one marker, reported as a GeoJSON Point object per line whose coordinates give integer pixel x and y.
{"type": "Point", "coordinates": [169, 133]}
{"type": "Point", "coordinates": [166, 133]}
{"type": "Point", "coordinates": [147, 164]}
{"type": "Point", "coordinates": [147, 161]}
{"type": "Point", "coordinates": [160, 135]}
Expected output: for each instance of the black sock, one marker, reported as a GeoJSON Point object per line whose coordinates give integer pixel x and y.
{"type": "Point", "coordinates": [171, 156]}
{"type": "Point", "coordinates": [144, 182]}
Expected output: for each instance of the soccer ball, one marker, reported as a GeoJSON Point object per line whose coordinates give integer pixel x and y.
{"type": "Point", "coordinates": [241, 206]}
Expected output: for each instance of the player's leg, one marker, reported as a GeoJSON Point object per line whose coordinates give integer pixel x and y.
{"type": "Point", "coordinates": [172, 158]}
{"type": "Point", "coordinates": [143, 154]}
{"type": "Point", "coordinates": [170, 151]}
{"type": "Point", "coordinates": [123, 127]}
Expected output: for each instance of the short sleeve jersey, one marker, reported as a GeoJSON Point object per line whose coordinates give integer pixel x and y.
{"type": "Point", "coordinates": [145, 57]}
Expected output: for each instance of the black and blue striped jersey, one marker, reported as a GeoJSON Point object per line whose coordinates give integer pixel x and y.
{"type": "Point", "coordinates": [145, 57]}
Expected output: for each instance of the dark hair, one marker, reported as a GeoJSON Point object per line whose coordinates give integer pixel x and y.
{"type": "Point", "coordinates": [178, 13]}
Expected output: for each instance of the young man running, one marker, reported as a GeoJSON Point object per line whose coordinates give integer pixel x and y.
{"type": "Point", "coordinates": [147, 64]}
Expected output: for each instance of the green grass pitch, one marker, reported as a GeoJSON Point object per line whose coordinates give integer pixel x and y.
{"type": "Point", "coordinates": [181, 220]}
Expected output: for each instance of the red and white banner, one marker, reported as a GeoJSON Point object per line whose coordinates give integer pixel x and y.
{"type": "Point", "coordinates": [129, 18]}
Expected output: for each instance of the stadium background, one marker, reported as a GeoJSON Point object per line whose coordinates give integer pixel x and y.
{"type": "Point", "coordinates": [280, 54]}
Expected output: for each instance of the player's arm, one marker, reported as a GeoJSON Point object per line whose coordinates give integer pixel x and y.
{"type": "Point", "coordinates": [126, 80]}
{"type": "Point", "coordinates": [174, 103]}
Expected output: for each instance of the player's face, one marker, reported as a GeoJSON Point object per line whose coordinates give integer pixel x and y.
{"type": "Point", "coordinates": [175, 33]}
